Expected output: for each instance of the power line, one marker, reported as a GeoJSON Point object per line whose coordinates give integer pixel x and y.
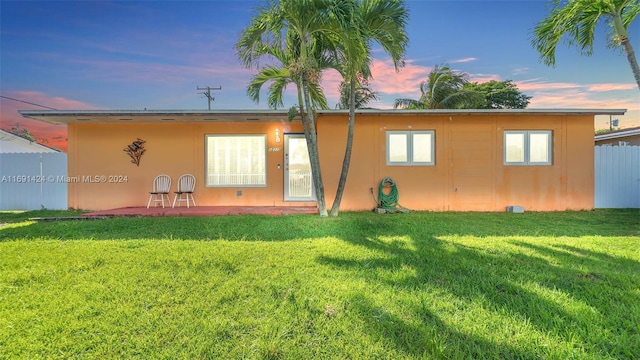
{"type": "Point", "coordinates": [26, 102]}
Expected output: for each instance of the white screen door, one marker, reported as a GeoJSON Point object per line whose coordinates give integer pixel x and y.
{"type": "Point", "coordinates": [298, 184]}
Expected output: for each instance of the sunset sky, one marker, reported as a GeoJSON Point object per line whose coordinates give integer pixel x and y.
{"type": "Point", "coordinates": [106, 55]}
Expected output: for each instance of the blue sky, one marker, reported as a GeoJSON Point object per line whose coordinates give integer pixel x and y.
{"type": "Point", "coordinates": [148, 54]}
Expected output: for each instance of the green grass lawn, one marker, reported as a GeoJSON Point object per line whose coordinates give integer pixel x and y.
{"type": "Point", "coordinates": [361, 286]}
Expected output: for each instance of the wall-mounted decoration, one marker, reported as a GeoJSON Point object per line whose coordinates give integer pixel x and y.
{"type": "Point", "coordinates": [135, 151]}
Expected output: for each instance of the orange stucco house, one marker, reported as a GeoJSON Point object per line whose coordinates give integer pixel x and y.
{"type": "Point", "coordinates": [440, 160]}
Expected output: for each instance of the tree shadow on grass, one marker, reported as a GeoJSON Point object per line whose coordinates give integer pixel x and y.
{"type": "Point", "coordinates": [431, 338]}
{"type": "Point", "coordinates": [492, 279]}
{"type": "Point", "coordinates": [599, 280]}
{"type": "Point", "coordinates": [499, 282]}
{"type": "Point", "coordinates": [349, 225]}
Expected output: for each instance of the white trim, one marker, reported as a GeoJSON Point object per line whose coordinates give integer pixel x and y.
{"type": "Point", "coordinates": [237, 156]}
{"type": "Point", "coordinates": [235, 115]}
{"type": "Point", "coordinates": [12, 143]}
{"type": "Point", "coordinates": [409, 147]}
{"type": "Point", "coordinates": [526, 134]}
{"type": "Point", "coordinates": [618, 134]}
{"type": "Point", "coordinates": [287, 175]}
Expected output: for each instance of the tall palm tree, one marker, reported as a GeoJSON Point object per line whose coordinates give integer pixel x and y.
{"type": "Point", "coordinates": [362, 23]}
{"type": "Point", "coordinates": [304, 25]}
{"type": "Point", "coordinates": [578, 19]}
{"type": "Point", "coordinates": [444, 89]}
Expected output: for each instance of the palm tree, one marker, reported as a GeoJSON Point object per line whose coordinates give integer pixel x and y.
{"type": "Point", "coordinates": [444, 89]}
{"type": "Point", "coordinates": [364, 22]}
{"type": "Point", "coordinates": [364, 95]}
{"type": "Point", "coordinates": [303, 25]}
{"type": "Point", "coordinates": [578, 19]}
{"type": "Point", "coordinates": [280, 76]}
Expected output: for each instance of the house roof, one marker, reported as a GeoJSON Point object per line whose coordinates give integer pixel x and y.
{"type": "Point", "coordinates": [12, 143]}
{"type": "Point", "coordinates": [622, 133]}
{"type": "Point", "coordinates": [162, 116]}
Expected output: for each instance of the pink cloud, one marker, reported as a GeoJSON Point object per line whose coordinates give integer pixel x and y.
{"type": "Point", "coordinates": [535, 84]}
{"type": "Point", "coordinates": [577, 98]}
{"type": "Point", "coordinates": [463, 60]}
{"type": "Point", "coordinates": [48, 134]}
{"type": "Point", "coordinates": [481, 78]}
{"type": "Point", "coordinates": [611, 87]}
{"type": "Point", "coordinates": [331, 80]}
{"type": "Point", "coordinates": [564, 99]}
{"type": "Point", "coordinates": [571, 95]}
{"type": "Point", "coordinates": [520, 71]}
{"type": "Point", "coordinates": [407, 81]}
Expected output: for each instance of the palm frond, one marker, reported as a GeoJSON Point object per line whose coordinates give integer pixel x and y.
{"type": "Point", "coordinates": [629, 10]}
{"type": "Point", "coordinates": [266, 74]}
{"type": "Point", "coordinates": [407, 104]}
{"type": "Point", "coordinates": [318, 99]}
{"type": "Point", "coordinates": [276, 92]}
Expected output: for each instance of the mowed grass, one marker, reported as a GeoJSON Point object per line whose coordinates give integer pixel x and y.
{"type": "Point", "coordinates": [361, 286]}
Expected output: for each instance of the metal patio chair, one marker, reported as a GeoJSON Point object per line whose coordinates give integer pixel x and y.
{"type": "Point", "coordinates": [161, 189]}
{"type": "Point", "coordinates": [186, 186]}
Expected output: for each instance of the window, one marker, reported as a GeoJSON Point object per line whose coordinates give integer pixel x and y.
{"type": "Point", "coordinates": [236, 160]}
{"type": "Point", "coordinates": [410, 147]}
{"type": "Point", "coordinates": [528, 147]}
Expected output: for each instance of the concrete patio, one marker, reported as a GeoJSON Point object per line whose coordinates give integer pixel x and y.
{"type": "Point", "coordinates": [204, 211]}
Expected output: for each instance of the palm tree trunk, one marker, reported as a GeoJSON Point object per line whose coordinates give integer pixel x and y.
{"type": "Point", "coordinates": [312, 148]}
{"type": "Point", "coordinates": [335, 207]}
{"type": "Point", "coordinates": [626, 46]}
{"type": "Point", "coordinates": [631, 57]}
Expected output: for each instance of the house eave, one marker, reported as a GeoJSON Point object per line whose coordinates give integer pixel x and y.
{"type": "Point", "coordinates": [401, 112]}
{"type": "Point", "coordinates": [63, 117]}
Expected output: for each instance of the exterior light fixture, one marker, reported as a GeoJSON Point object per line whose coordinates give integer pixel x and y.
{"type": "Point", "coordinates": [277, 131]}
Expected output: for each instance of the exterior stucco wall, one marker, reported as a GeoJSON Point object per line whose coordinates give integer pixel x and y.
{"type": "Point", "coordinates": [173, 149]}
{"type": "Point", "coordinates": [468, 175]}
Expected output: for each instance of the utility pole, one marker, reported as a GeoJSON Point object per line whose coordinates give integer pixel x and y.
{"type": "Point", "coordinates": [207, 92]}
{"type": "Point", "coordinates": [612, 123]}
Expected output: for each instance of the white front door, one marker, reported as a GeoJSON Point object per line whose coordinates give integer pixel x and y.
{"type": "Point", "coordinates": [298, 184]}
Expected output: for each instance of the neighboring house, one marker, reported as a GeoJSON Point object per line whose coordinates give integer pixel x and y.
{"type": "Point", "coordinates": [12, 143]}
{"type": "Point", "coordinates": [622, 137]}
{"type": "Point", "coordinates": [31, 175]}
{"type": "Point", "coordinates": [440, 160]}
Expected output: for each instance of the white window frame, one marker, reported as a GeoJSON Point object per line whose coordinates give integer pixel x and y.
{"type": "Point", "coordinates": [409, 151]}
{"type": "Point", "coordinates": [235, 157]}
{"type": "Point", "coordinates": [526, 134]}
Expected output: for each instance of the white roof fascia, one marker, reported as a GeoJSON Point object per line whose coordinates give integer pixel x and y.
{"type": "Point", "coordinates": [32, 146]}
{"type": "Point", "coordinates": [480, 111]}
{"type": "Point", "coordinates": [159, 116]}
{"type": "Point", "coordinates": [618, 134]}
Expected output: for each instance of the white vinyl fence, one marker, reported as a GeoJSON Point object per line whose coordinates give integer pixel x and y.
{"type": "Point", "coordinates": [617, 176]}
{"type": "Point", "coordinates": [33, 181]}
